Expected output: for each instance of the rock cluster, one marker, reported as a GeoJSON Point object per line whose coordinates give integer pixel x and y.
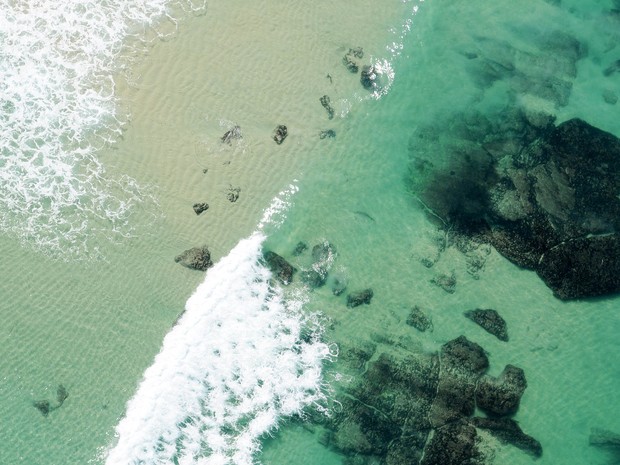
{"type": "Point", "coordinates": [417, 408]}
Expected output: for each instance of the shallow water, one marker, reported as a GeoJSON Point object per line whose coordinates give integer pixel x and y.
{"type": "Point", "coordinates": [95, 326]}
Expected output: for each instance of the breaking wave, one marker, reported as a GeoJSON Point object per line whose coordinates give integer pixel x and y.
{"type": "Point", "coordinates": [58, 107]}
{"type": "Point", "coordinates": [240, 358]}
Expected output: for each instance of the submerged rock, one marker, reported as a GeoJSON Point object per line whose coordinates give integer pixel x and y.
{"type": "Point", "coordinates": [545, 196]}
{"type": "Point", "coordinates": [453, 444]}
{"type": "Point", "coordinates": [196, 258]}
{"type": "Point", "coordinates": [43, 406]}
{"type": "Point", "coordinates": [280, 134]}
{"type": "Point", "coordinates": [233, 194]}
{"type": "Point", "coordinates": [300, 248]}
{"type": "Point", "coordinates": [445, 281]}
{"type": "Point", "coordinates": [349, 59]}
{"type": "Point", "coordinates": [200, 207]}
{"type": "Point", "coordinates": [329, 133]}
{"type": "Point", "coordinates": [326, 104]}
{"type": "Point", "coordinates": [355, 299]}
{"type": "Point", "coordinates": [501, 396]}
{"type": "Point", "coordinates": [369, 77]}
{"type": "Point", "coordinates": [605, 438]}
{"type": "Point", "coordinates": [509, 432]}
{"type": "Point", "coordinates": [313, 278]}
{"type": "Point", "coordinates": [490, 321]}
{"type": "Point", "coordinates": [282, 270]}
{"type": "Point", "coordinates": [419, 320]}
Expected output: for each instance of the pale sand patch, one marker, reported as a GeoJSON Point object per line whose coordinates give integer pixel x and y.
{"type": "Point", "coordinates": [256, 64]}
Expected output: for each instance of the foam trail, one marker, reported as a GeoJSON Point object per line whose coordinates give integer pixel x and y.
{"type": "Point", "coordinates": [57, 108]}
{"type": "Point", "coordinates": [234, 365]}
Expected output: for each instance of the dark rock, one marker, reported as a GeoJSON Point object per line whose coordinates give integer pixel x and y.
{"type": "Point", "coordinates": [509, 432]}
{"type": "Point", "coordinates": [605, 438]}
{"type": "Point", "coordinates": [326, 104]}
{"type": "Point", "coordinates": [300, 248]}
{"type": "Point", "coordinates": [369, 77]}
{"type": "Point", "coordinates": [231, 134]}
{"type": "Point", "coordinates": [419, 320]}
{"type": "Point", "coordinates": [355, 299]}
{"type": "Point", "coordinates": [453, 444]}
{"type": "Point", "coordinates": [196, 258]}
{"type": "Point", "coordinates": [282, 270]}
{"type": "Point", "coordinates": [501, 395]}
{"type": "Point", "coordinates": [406, 450]}
{"type": "Point", "coordinates": [61, 394]}
{"type": "Point", "coordinates": [490, 321]}
{"type": "Point", "coordinates": [200, 207]}
{"type": "Point", "coordinates": [329, 133]}
{"type": "Point", "coordinates": [446, 282]}
{"type": "Point", "coordinates": [280, 134]}
{"type": "Point", "coordinates": [233, 194]}
{"type": "Point", "coordinates": [464, 356]}
{"type": "Point", "coordinates": [43, 406]}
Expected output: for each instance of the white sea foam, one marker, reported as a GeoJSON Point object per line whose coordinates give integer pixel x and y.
{"type": "Point", "coordinates": [238, 361]}
{"type": "Point", "coordinates": [57, 107]}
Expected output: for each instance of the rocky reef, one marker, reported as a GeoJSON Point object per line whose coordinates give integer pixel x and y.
{"type": "Point", "coordinates": [544, 195]}
{"type": "Point", "coordinates": [416, 408]}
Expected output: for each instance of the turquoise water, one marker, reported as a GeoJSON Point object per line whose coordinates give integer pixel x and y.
{"type": "Point", "coordinates": [95, 326]}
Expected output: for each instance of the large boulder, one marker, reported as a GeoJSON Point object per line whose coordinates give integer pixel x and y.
{"type": "Point", "coordinates": [545, 196]}
{"type": "Point", "coordinates": [196, 258]}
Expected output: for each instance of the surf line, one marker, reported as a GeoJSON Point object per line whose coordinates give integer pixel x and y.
{"type": "Point", "coordinates": [237, 362]}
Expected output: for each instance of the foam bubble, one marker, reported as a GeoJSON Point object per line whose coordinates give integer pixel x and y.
{"type": "Point", "coordinates": [239, 360]}
{"type": "Point", "coordinates": [57, 107]}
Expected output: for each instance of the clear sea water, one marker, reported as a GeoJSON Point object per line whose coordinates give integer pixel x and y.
{"type": "Point", "coordinates": [108, 140]}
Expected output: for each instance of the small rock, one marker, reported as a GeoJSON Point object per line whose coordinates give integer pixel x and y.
{"type": "Point", "coordinates": [61, 394]}
{"type": "Point", "coordinates": [446, 282]}
{"type": "Point", "coordinates": [357, 298]}
{"type": "Point", "coordinates": [233, 194]}
{"type": "Point", "coordinates": [610, 97]}
{"type": "Point", "coordinates": [348, 59]}
{"type": "Point", "coordinates": [231, 134]}
{"type": "Point", "coordinates": [490, 321]}
{"type": "Point", "coordinates": [326, 104]}
{"type": "Point", "coordinates": [200, 207]}
{"type": "Point", "coordinates": [313, 278]}
{"type": "Point", "coordinates": [339, 286]}
{"type": "Point", "coordinates": [196, 258]}
{"type": "Point", "coordinates": [42, 406]}
{"type": "Point", "coordinates": [280, 134]}
{"type": "Point", "coordinates": [329, 133]}
{"type": "Point", "coordinates": [603, 437]}
{"type": "Point", "coordinates": [419, 320]}
{"type": "Point", "coordinates": [612, 68]}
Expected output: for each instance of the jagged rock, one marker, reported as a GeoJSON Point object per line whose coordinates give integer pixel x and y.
{"type": "Point", "coordinates": [326, 104]}
{"type": "Point", "coordinates": [490, 321]}
{"type": "Point", "coordinates": [280, 134]}
{"type": "Point", "coordinates": [509, 432]}
{"type": "Point", "coordinates": [445, 281]}
{"type": "Point", "coordinates": [200, 207]}
{"type": "Point", "coordinates": [502, 395]}
{"type": "Point", "coordinates": [231, 134]}
{"type": "Point", "coordinates": [196, 258]}
{"type": "Point", "coordinates": [329, 133]}
{"type": "Point", "coordinates": [419, 320]}
{"type": "Point", "coordinates": [300, 248]}
{"type": "Point", "coordinates": [453, 444]}
{"type": "Point", "coordinates": [357, 298]}
{"type": "Point", "coordinates": [282, 270]}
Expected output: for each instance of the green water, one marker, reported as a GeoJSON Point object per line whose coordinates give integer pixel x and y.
{"type": "Point", "coordinates": [94, 327]}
